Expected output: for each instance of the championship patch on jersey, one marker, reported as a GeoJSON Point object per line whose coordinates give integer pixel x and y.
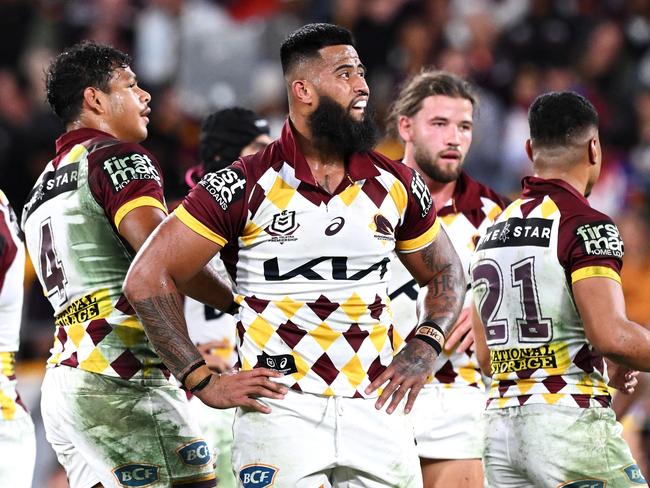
{"type": "Point", "coordinates": [517, 232]}
{"type": "Point", "coordinates": [257, 475]}
{"type": "Point", "coordinates": [123, 169]}
{"type": "Point", "coordinates": [225, 186]}
{"type": "Point", "coordinates": [600, 239]}
{"type": "Point", "coordinates": [421, 194]}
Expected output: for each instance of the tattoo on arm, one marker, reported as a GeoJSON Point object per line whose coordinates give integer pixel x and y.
{"type": "Point", "coordinates": [442, 298]}
{"type": "Point", "coordinates": [164, 323]}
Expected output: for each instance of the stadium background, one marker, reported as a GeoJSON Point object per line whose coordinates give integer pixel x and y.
{"type": "Point", "coordinates": [197, 55]}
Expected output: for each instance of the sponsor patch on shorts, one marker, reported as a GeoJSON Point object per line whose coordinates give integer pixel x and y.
{"type": "Point", "coordinates": [196, 453]}
{"type": "Point", "coordinates": [137, 474]}
{"type": "Point", "coordinates": [257, 475]}
{"type": "Point", "coordinates": [586, 483]}
{"type": "Point", "coordinates": [634, 474]}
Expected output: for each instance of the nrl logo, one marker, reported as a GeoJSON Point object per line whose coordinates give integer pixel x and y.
{"type": "Point", "coordinates": [283, 227]}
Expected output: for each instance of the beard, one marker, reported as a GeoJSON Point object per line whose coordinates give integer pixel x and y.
{"type": "Point", "coordinates": [334, 131]}
{"type": "Point", "coordinates": [429, 166]}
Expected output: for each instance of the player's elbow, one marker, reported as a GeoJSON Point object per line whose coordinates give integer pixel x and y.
{"type": "Point", "coordinates": [139, 281]}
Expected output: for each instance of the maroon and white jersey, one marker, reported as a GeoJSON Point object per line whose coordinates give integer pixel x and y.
{"type": "Point", "coordinates": [471, 209]}
{"type": "Point", "coordinates": [12, 270]}
{"type": "Point", "coordinates": [70, 222]}
{"type": "Point", "coordinates": [310, 268]}
{"type": "Point", "coordinates": [523, 272]}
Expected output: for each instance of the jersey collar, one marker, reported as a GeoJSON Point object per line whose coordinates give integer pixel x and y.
{"type": "Point", "coordinates": [359, 165]}
{"type": "Point", "coordinates": [78, 136]}
{"type": "Point", "coordinates": [536, 187]}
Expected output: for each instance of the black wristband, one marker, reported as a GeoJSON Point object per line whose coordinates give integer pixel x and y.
{"type": "Point", "coordinates": [233, 308]}
{"type": "Point", "coordinates": [194, 367]}
{"type": "Point", "coordinates": [432, 334]}
{"type": "Point", "coordinates": [201, 384]}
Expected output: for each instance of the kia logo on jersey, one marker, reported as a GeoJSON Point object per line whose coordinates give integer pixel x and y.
{"type": "Point", "coordinates": [257, 475]}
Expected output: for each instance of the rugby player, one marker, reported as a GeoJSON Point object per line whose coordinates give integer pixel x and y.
{"type": "Point", "coordinates": [109, 409]}
{"type": "Point", "coordinates": [433, 114]}
{"type": "Point", "coordinates": [547, 287]}
{"type": "Point", "coordinates": [17, 441]}
{"type": "Point", "coordinates": [226, 135]}
{"type": "Point", "coordinates": [307, 230]}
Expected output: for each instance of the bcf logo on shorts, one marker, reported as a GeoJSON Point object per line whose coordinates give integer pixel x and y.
{"type": "Point", "coordinates": [196, 453]}
{"type": "Point", "coordinates": [137, 474]}
{"type": "Point", "coordinates": [257, 475]}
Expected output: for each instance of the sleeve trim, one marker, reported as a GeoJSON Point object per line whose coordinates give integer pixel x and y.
{"type": "Point", "coordinates": [417, 243]}
{"type": "Point", "coordinates": [193, 223]}
{"type": "Point", "coordinates": [595, 271]}
{"type": "Point", "coordinates": [135, 203]}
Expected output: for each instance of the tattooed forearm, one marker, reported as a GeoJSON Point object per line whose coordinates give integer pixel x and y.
{"type": "Point", "coordinates": [441, 299]}
{"type": "Point", "coordinates": [164, 324]}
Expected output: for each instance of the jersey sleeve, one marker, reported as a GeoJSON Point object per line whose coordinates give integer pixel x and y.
{"type": "Point", "coordinates": [420, 225]}
{"type": "Point", "coordinates": [8, 249]}
{"type": "Point", "coordinates": [125, 177]}
{"type": "Point", "coordinates": [589, 246]}
{"type": "Point", "coordinates": [216, 206]}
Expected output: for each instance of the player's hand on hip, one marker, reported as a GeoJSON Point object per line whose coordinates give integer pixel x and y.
{"type": "Point", "coordinates": [462, 333]}
{"type": "Point", "coordinates": [621, 377]}
{"type": "Point", "coordinates": [407, 373]}
{"type": "Point", "coordinates": [240, 389]}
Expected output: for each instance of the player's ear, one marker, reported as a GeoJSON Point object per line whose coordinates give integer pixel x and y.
{"type": "Point", "coordinates": [529, 149]}
{"type": "Point", "coordinates": [404, 128]}
{"type": "Point", "coordinates": [302, 91]}
{"type": "Point", "coordinates": [594, 150]}
{"type": "Point", "coordinates": [93, 99]}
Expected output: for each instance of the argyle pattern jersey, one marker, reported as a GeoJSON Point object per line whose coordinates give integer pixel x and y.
{"type": "Point", "coordinates": [310, 268]}
{"type": "Point", "coordinates": [12, 266]}
{"type": "Point", "coordinates": [472, 209]}
{"type": "Point", "coordinates": [70, 223]}
{"type": "Point", "coordinates": [523, 272]}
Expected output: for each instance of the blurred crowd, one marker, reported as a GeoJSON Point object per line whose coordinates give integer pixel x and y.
{"type": "Point", "coordinates": [197, 55]}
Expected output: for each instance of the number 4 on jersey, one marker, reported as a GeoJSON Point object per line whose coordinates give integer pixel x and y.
{"type": "Point", "coordinates": [52, 271]}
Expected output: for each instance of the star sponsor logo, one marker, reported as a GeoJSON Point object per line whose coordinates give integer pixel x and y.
{"type": "Point", "coordinates": [600, 239]}
{"type": "Point", "coordinates": [226, 186]}
{"type": "Point", "coordinates": [516, 232]}
{"type": "Point", "coordinates": [123, 169]}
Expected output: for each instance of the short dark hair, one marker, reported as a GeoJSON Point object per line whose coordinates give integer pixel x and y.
{"type": "Point", "coordinates": [560, 118]}
{"type": "Point", "coordinates": [75, 69]}
{"type": "Point", "coordinates": [308, 40]}
{"type": "Point", "coordinates": [428, 83]}
{"type": "Point", "coordinates": [225, 133]}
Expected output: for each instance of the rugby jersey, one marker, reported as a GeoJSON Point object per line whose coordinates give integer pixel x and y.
{"type": "Point", "coordinates": [12, 269]}
{"type": "Point", "coordinates": [310, 269]}
{"type": "Point", "coordinates": [70, 222]}
{"type": "Point", "coordinates": [471, 209]}
{"type": "Point", "coordinates": [523, 272]}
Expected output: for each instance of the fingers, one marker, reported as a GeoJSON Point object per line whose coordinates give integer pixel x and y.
{"type": "Point", "coordinates": [467, 342]}
{"type": "Point", "coordinates": [413, 394]}
{"type": "Point", "coordinates": [462, 326]}
{"type": "Point", "coordinates": [255, 405]}
{"type": "Point", "coordinates": [397, 398]}
{"type": "Point", "coordinates": [380, 380]}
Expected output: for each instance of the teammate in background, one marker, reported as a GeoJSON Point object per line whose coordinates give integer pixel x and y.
{"type": "Point", "coordinates": [433, 115]}
{"type": "Point", "coordinates": [547, 288]}
{"type": "Point", "coordinates": [109, 409]}
{"type": "Point", "coordinates": [17, 441]}
{"type": "Point", "coordinates": [225, 136]}
{"type": "Point", "coordinates": [307, 229]}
